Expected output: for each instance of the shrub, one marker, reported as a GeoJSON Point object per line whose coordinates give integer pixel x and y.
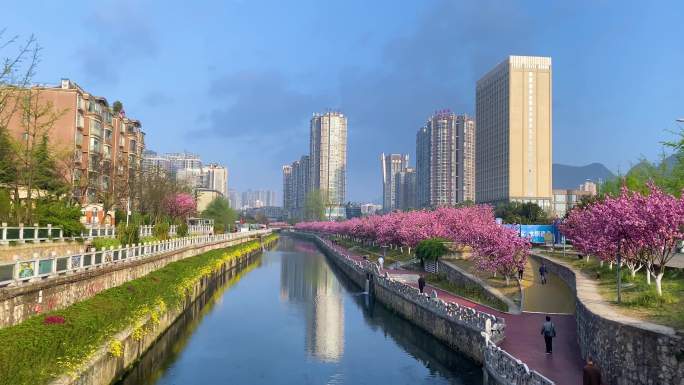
{"type": "Point", "coordinates": [219, 229]}
{"type": "Point", "coordinates": [161, 231]}
{"type": "Point", "coordinates": [182, 230]}
{"type": "Point", "coordinates": [99, 243]}
{"type": "Point", "coordinates": [128, 235]}
{"type": "Point", "coordinates": [60, 214]}
{"type": "Point", "coordinates": [431, 249]}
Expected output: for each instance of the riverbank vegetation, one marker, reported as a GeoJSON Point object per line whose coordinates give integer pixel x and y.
{"type": "Point", "coordinates": [41, 349]}
{"type": "Point", "coordinates": [470, 292]}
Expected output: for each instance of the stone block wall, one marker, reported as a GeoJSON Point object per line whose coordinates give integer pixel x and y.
{"type": "Point", "coordinates": [628, 351]}
{"type": "Point", "coordinates": [21, 302]}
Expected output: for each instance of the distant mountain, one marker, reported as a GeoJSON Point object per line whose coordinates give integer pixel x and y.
{"type": "Point", "coordinates": [570, 177]}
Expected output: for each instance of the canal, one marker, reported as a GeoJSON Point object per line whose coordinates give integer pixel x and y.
{"type": "Point", "coordinates": [291, 318]}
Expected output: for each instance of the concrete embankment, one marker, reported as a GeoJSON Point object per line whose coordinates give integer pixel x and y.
{"type": "Point", "coordinates": [114, 359]}
{"type": "Point", "coordinates": [40, 296]}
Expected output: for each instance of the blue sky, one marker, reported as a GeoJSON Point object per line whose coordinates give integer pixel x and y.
{"type": "Point", "coordinates": [237, 81]}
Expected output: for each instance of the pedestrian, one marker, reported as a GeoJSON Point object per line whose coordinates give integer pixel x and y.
{"type": "Point", "coordinates": [421, 283]}
{"type": "Point", "coordinates": [590, 374]}
{"type": "Point", "coordinates": [548, 330]}
{"type": "Point", "coordinates": [542, 273]}
{"type": "Point", "coordinates": [381, 262]}
{"type": "Point", "coordinates": [520, 273]}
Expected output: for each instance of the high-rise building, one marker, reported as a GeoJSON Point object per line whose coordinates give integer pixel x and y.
{"type": "Point", "coordinates": [107, 146]}
{"type": "Point", "coordinates": [234, 199]}
{"type": "Point", "coordinates": [155, 162]}
{"type": "Point", "coordinates": [288, 189]}
{"type": "Point", "coordinates": [215, 177]}
{"type": "Point", "coordinates": [445, 160]}
{"type": "Point", "coordinates": [405, 182]}
{"type": "Point", "coordinates": [183, 160]}
{"type": "Point", "coordinates": [392, 165]}
{"type": "Point", "coordinates": [328, 160]}
{"type": "Point", "coordinates": [514, 126]}
{"type": "Point", "coordinates": [258, 198]}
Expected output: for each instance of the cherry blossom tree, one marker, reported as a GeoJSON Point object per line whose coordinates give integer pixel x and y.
{"type": "Point", "coordinates": [180, 205]}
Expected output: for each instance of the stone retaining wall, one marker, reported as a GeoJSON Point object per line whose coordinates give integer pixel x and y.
{"type": "Point", "coordinates": [21, 302]}
{"type": "Point", "coordinates": [103, 368]}
{"type": "Point", "coordinates": [628, 351]}
{"type": "Point", "coordinates": [464, 279]}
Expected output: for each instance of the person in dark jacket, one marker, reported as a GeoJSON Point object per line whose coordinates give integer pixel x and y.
{"type": "Point", "coordinates": [542, 273]}
{"type": "Point", "coordinates": [421, 283]}
{"type": "Point", "coordinates": [591, 375]}
{"type": "Point", "coordinates": [548, 330]}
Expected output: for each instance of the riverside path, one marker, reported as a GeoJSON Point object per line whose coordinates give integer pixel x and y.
{"type": "Point", "coordinates": [523, 331]}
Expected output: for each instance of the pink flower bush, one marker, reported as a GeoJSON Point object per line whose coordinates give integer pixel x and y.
{"type": "Point", "coordinates": [496, 249]}
{"type": "Point", "coordinates": [180, 205]}
{"type": "Point", "coordinates": [644, 229]}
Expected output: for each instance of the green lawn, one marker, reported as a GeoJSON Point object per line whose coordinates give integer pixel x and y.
{"type": "Point", "coordinates": [34, 352]}
{"type": "Point", "coordinates": [638, 298]}
{"type": "Point", "coordinates": [374, 252]}
{"type": "Point", "coordinates": [471, 292]}
{"type": "Point", "coordinates": [511, 290]}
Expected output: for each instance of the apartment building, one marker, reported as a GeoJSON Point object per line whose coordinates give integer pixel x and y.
{"type": "Point", "coordinates": [328, 160]}
{"type": "Point", "coordinates": [391, 165]}
{"type": "Point", "coordinates": [445, 160]}
{"type": "Point", "coordinates": [99, 148]}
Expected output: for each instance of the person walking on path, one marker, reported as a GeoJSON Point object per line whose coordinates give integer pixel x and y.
{"type": "Point", "coordinates": [381, 262]}
{"type": "Point", "coordinates": [421, 283]}
{"type": "Point", "coordinates": [542, 273]}
{"type": "Point", "coordinates": [521, 270]}
{"type": "Point", "coordinates": [548, 330]}
{"type": "Point", "coordinates": [590, 374]}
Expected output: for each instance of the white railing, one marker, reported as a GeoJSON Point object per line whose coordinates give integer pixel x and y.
{"type": "Point", "coordinates": [47, 233]}
{"type": "Point", "coordinates": [97, 231]}
{"type": "Point", "coordinates": [148, 230]}
{"type": "Point", "coordinates": [510, 370]}
{"type": "Point", "coordinates": [18, 272]}
{"type": "Point", "coordinates": [35, 233]}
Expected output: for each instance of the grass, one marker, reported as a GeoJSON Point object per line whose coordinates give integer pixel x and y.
{"type": "Point", "coordinates": [34, 352]}
{"type": "Point", "coordinates": [471, 292]}
{"type": "Point", "coordinates": [638, 298]}
{"type": "Point", "coordinates": [511, 290]}
{"type": "Point", "coordinates": [374, 252]}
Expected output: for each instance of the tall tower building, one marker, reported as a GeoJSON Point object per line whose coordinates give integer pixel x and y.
{"type": "Point", "coordinates": [215, 177]}
{"type": "Point", "coordinates": [392, 165]}
{"type": "Point", "coordinates": [288, 189]}
{"type": "Point", "coordinates": [405, 182]}
{"type": "Point", "coordinates": [328, 160]}
{"type": "Point", "coordinates": [513, 145]}
{"type": "Point", "coordinates": [444, 160]}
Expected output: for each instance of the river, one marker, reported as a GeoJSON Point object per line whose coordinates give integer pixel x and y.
{"type": "Point", "coordinates": [291, 318]}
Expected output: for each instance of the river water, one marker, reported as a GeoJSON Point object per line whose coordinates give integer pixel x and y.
{"type": "Point", "coordinates": [291, 318]}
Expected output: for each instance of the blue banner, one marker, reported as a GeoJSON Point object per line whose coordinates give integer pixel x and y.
{"type": "Point", "coordinates": [536, 233]}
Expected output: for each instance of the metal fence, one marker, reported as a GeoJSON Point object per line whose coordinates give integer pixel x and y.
{"type": "Point", "coordinates": [16, 272]}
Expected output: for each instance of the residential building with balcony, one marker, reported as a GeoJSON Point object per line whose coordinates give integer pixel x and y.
{"type": "Point", "coordinates": [98, 149]}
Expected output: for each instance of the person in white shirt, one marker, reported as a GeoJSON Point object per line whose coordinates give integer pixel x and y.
{"type": "Point", "coordinates": [381, 262]}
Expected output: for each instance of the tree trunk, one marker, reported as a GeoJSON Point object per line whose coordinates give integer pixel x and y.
{"type": "Point", "coordinates": [648, 273]}
{"type": "Point", "coordinates": [508, 280]}
{"type": "Point", "coordinates": [610, 266]}
{"type": "Point", "coordinates": [658, 281]}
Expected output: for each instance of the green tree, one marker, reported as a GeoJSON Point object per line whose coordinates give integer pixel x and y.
{"type": "Point", "coordinates": [431, 249]}
{"type": "Point", "coordinates": [60, 213]}
{"type": "Point", "coordinates": [219, 210]}
{"type": "Point", "coordinates": [314, 206]}
{"type": "Point", "coordinates": [117, 106]}
{"type": "Point", "coordinates": [521, 213]}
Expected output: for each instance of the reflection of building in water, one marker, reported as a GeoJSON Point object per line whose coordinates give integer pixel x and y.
{"type": "Point", "coordinates": [307, 281]}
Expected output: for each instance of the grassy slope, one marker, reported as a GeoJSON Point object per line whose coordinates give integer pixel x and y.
{"type": "Point", "coordinates": [638, 298]}
{"type": "Point", "coordinates": [34, 352]}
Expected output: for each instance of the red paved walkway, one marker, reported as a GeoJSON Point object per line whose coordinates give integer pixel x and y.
{"type": "Point", "coordinates": [523, 335]}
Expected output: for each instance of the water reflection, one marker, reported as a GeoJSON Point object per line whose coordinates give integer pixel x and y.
{"type": "Point", "coordinates": [307, 282]}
